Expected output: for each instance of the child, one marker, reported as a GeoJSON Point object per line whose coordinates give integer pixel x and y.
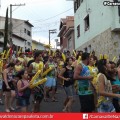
{"type": "Point", "coordinates": [23, 91]}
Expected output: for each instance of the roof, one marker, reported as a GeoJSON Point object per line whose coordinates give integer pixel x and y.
{"type": "Point", "coordinates": [63, 23]}
{"type": "Point", "coordinates": [61, 30]}
{"type": "Point", "coordinates": [27, 22]}
{"type": "Point", "coordinates": [38, 42]}
{"type": "Point", "coordinates": [68, 31]}
{"type": "Point", "coordinates": [63, 20]}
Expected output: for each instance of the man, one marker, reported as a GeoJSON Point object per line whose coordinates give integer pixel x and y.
{"type": "Point", "coordinates": [38, 91]}
{"type": "Point", "coordinates": [51, 79]}
{"type": "Point", "coordinates": [82, 74]}
{"type": "Point", "coordinates": [22, 60]}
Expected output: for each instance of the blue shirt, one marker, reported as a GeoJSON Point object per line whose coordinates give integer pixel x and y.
{"type": "Point", "coordinates": [116, 82]}
{"type": "Point", "coordinates": [84, 85]}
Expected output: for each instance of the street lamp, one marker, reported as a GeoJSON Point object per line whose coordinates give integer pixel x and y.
{"type": "Point", "coordinates": [51, 31]}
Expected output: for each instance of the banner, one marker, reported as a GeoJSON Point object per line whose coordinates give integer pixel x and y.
{"type": "Point", "coordinates": [60, 116]}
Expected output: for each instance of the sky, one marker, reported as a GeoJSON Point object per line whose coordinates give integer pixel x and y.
{"type": "Point", "coordinates": [45, 15]}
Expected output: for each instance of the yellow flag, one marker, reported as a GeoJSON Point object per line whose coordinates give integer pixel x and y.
{"type": "Point", "coordinates": [74, 53]}
{"type": "Point", "coordinates": [20, 50]}
{"type": "Point", "coordinates": [3, 54]}
{"type": "Point", "coordinates": [64, 57]}
{"type": "Point", "coordinates": [7, 55]}
{"type": "Point", "coordinates": [101, 56]}
{"type": "Point", "coordinates": [114, 59]}
{"type": "Point", "coordinates": [105, 57]}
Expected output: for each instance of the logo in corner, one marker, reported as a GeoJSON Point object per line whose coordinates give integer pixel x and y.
{"type": "Point", "coordinates": [85, 116]}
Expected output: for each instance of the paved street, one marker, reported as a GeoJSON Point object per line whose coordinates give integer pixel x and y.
{"type": "Point", "coordinates": [54, 106]}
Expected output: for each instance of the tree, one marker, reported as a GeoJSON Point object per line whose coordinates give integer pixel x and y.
{"type": "Point", "coordinates": [6, 32]}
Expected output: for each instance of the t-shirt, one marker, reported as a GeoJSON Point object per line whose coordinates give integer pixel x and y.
{"type": "Point", "coordinates": [84, 85]}
{"type": "Point", "coordinates": [69, 74]}
{"type": "Point", "coordinates": [116, 82]}
{"type": "Point", "coordinates": [94, 73]}
{"type": "Point", "coordinates": [52, 72]}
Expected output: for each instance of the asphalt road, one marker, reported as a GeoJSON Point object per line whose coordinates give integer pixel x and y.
{"type": "Point", "coordinates": [54, 106]}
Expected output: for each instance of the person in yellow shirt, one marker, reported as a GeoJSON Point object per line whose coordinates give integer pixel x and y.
{"type": "Point", "coordinates": [21, 59]}
{"type": "Point", "coordinates": [38, 91]}
{"type": "Point", "coordinates": [29, 56]}
{"type": "Point", "coordinates": [18, 66]}
{"type": "Point", "coordinates": [59, 68]}
{"type": "Point", "coordinates": [93, 72]}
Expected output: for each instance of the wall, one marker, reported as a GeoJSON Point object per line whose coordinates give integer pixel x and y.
{"type": "Point", "coordinates": [101, 18]}
{"type": "Point", "coordinates": [105, 43]}
{"type": "Point", "coordinates": [71, 35]}
{"type": "Point", "coordinates": [18, 29]}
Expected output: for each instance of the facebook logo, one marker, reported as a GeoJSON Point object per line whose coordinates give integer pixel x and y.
{"type": "Point", "coordinates": [85, 116]}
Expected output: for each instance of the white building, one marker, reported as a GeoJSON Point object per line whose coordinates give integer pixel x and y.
{"type": "Point", "coordinates": [22, 33]}
{"type": "Point", "coordinates": [97, 27]}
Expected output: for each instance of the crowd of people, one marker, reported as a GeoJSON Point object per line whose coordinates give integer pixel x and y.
{"type": "Point", "coordinates": [95, 81]}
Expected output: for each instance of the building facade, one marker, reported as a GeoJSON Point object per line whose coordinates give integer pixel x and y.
{"type": "Point", "coordinates": [37, 45]}
{"type": "Point", "coordinates": [22, 33]}
{"type": "Point", "coordinates": [97, 27]}
{"type": "Point", "coordinates": [66, 34]}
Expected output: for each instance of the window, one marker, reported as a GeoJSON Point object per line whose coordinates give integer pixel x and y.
{"type": "Point", "coordinates": [29, 43]}
{"type": "Point", "coordinates": [81, 1]}
{"type": "Point", "coordinates": [78, 31]}
{"type": "Point", "coordinates": [77, 4]}
{"type": "Point", "coordinates": [28, 33]}
{"type": "Point", "coordinates": [24, 30]}
{"type": "Point", "coordinates": [89, 47]}
{"type": "Point", "coordinates": [87, 25]}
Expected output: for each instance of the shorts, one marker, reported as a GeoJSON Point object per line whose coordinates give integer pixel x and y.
{"type": "Point", "coordinates": [106, 106]}
{"type": "Point", "coordinates": [87, 103]}
{"type": "Point", "coordinates": [1, 83]}
{"type": "Point", "coordinates": [51, 82]}
{"type": "Point", "coordinates": [5, 88]}
{"type": "Point", "coordinates": [23, 102]}
{"type": "Point", "coordinates": [70, 91]}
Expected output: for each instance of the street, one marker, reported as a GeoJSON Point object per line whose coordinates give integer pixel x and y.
{"type": "Point", "coordinates": [54, 106]}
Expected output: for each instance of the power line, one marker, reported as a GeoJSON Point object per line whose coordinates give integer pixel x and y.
{"type": "Point", "coordinates": [45, 19]}
{"type": "Point", "coordinates": [54, 16]}
{"type": "Point", "coordinates": [15, 8]}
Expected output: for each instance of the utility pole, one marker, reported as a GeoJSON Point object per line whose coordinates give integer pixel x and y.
{"type": "Point", "coordinates": [0, 3]}
{"type": "Point", "coordinates": [56, 40]}
{"type": "Point", "coordinates": [51, 31]}
{"type": "Point", "coordinates": [11, 26]}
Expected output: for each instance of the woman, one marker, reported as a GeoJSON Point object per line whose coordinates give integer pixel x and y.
{"type": "Point", "coordinates": [67, 75]}
{"type": "Point", "coordinates": [8, 87]}
{"type": "Point", "coordinates": [23, 91]}
{"type": "Point", "coordinates": [18, 66]}
{"type": "Point", "coordinates": [104, 93]}
{"type": "Point", "coordinates": [115, 84]}
{"type": "Point", "coordinates": [93, 72]}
